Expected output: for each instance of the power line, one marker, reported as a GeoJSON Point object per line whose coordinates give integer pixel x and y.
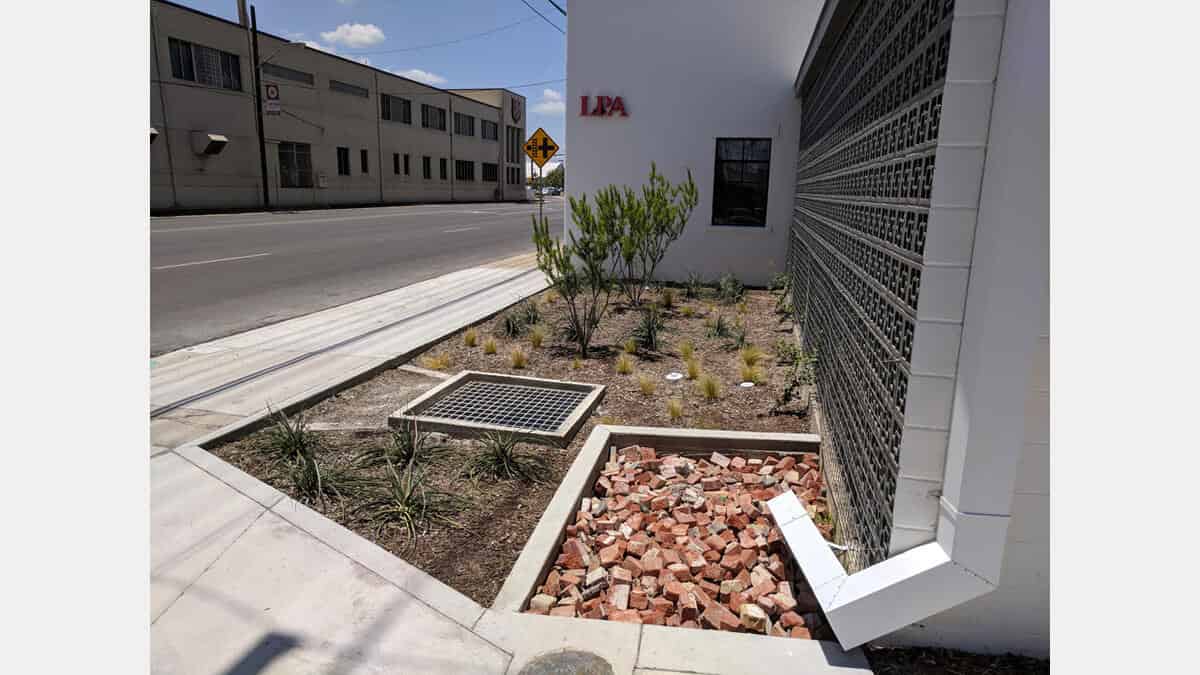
{"type": "Point", "coordinates": [447, 42]}
{"type": "Point", "coordinates": [531, 8]}
{"type": "Point", "coordinates": [560, 9]}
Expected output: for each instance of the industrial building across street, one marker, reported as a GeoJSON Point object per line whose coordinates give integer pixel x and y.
{"type": "Point", "coordinates": [334, 131]}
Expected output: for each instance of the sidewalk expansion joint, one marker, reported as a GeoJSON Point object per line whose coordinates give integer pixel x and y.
{"type": "Point", "coordinates": [226, 483]}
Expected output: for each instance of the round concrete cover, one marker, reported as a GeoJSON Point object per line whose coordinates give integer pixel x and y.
{"type": "Point", "coordinates": [567, 663]}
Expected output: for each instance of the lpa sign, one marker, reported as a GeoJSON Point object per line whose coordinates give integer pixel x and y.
{"type": "Point", "coordinates": [601, 106]}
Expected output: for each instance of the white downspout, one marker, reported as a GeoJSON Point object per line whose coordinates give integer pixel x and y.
{"type": "Point", "coordinates": [1005, 314]}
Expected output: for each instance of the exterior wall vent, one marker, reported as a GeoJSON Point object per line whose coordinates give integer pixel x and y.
{"type": "Point", "coordinates": [208, 143]}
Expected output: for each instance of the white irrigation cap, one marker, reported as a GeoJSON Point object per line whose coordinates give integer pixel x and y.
{"type": "Point", "coordinates": [746, 384]}
{"type": "Point", "coordinates": [673, 376]}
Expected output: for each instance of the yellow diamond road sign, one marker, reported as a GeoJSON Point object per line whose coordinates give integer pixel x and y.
{"type": "Point", "coordinates": [540, 147]}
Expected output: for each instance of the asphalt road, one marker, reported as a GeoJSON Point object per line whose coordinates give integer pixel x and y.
{"type": "Point", "coordinates": [216, 275]}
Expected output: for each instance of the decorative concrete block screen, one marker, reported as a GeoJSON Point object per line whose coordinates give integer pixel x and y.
{"type": "Point", "coordinates": [871, 112]}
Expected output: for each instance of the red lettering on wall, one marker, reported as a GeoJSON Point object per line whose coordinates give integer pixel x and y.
{"type": "Point", "coordinates": [617, 105]}
{"type": "Point", "coordinates": [583, 110]}
{"type": "Point", "coordinates": [605, 106]}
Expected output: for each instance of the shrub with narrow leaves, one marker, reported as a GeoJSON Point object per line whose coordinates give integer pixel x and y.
{"type": "Point", "coordinates": [489, 346]}
{"type": "Point", "coordinates": [687, 349]}
{"type": "Point", "coordinates": [674, 409]}
{"type": "Point", "coordinates": [693, 368]}
{"type": "Point", "coordinates": [536, 335]}
{"type": "Point", "coordinates": [624, 364]}
{"type": "Point", "coordinates": [499, 456]}
{"type": "Point", "coordinates": [470, 337]}
{"type": "Point", "coordinates": [649, 329]}
{"type": "Point", "coordinates": [729, 289]}
{"type": "Point", "coordinates": [407, 504]}
{"type": "Point", "coordinates": [517, 358]}
{"type": "Point", "coordinates": [647, 384]}
{"type": "Point", "coordinates": [709, 387]}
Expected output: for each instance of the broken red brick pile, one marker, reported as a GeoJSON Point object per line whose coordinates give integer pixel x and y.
{"type": "Point", "coordinates": [685, 541]}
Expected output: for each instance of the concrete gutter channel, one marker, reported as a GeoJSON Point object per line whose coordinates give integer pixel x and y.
{"type": "Point", "coordinates": [627, 648]}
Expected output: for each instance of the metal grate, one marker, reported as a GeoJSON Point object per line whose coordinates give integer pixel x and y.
{"type": "Point", "coordinates": [508, 405]}
{"type": "Point", "coordinates": [864, 175]}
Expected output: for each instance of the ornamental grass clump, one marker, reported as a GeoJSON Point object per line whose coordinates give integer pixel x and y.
{"type": "Point", "coordinates": [437, 361]}
{"type": "Point", "coordinates": [709, 387]}
{"type": "Point", "coordinates": [498, 457]}
{"type": "Point", "coordinates": [536, 335]}
{"type": "Point", "coordinates": [729, 289]}
{"type": "Point", "coordinates": [751, 373]}
{"type": "Point", "coordinates": [666, 297]}
{"type": "Point", "coordinates": [647, 384]}
{"type": "Point", "coordinates": [489, 346]}
{"type": "Point", "coordinates": [649, 329]}
{"type": "Point", "coordinates": [693, 368]}
{"type": "Point", "coordinates": [408, 505]}
{"type": "Point", "coordinates": [517, 358]}
{"type": "Point", "coordinates": [687, 311]}
{"type": "Point", "coordinates": [629, 346]}
{"type": "Point", "coordinates": [687, 350]}
{"type": "Point", "coordinates": [674, 409]}
{"type": "Point", "coordinates": [624, 364]}
{"type": "Point", "coordinates": [470, 337]}
{"type": "Point", "coordinates": [751, 355]}
{"type": "Point", "coordinates": [717, 326]}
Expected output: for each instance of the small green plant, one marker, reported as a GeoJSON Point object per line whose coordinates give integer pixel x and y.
{"type": "Point", "coordinates": [647, 384]}
{"type": "Point", "coordinates": [437, 361]}
{"type": "Point", "coordinates": [801, 374]}
{"type": "Point", "coordinates": [687, 350]}
{"type": "Point", "coordinates": [781, 285]}
{"type": "Point", "coordinates": [489, 346]}
{"type": "Point", "coordinates": [751, 355]}
{"type": "Point", "coordinates": [516, 321]}
{"type": "Point", "coordinates": [778, 282]}
{"type": "Point", "coordinates": [717, 326]}
{"type": "Point", "coordinates": [407, 504]}
{"type": "Point", "coordinates": [629, 346]}
{"type": "Point", "coordinates": [528, 313]}
{"type": "Point", "coordinates": [709, 387]}
{"type": "Point", "coordinates": [576, 363]}
{"type": "Point", "coordinates": [550, 296]}
{"type": "Point", "coordinates": [470, 337]}
{"type": "Point", "coordinates": [693, 287]}
{"type": "Point", "coordinates": [687, 311]}
{"type": "Point", "coordinates": [693, 368]}
{"type": "Point", "coordinates": [750, 373]}
{"type": "Point", "coordinates": [624, 364]}
{"type": "Point", "coordinates": [674, 409]}
{"type": "Point", "coordinates": [292, 450]}
{"type": "Point", "coordinates": [787, 351]}
{"type": "Point", "coordinates": [408, 444]}
{"type": "Point", "coordinates": [737, 336]}
{"type": "Point", "coordinates": [498, 457]}
{"type": "Point", "coordinates": [517, 358]}
{"type": "Point", "coordinates": [666, 297]}
{"type": "Point", "coordinates": [536, 335]}
{"type": "Point", "coordinates": [742, 308]}
{"type": "Point", "coordinates": [729, 289]}
{"type": "Point", "coordinates": [649, 329]}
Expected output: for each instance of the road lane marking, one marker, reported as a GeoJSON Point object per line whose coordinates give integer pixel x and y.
{"type": "Point", "coordinates": [206, 262]}
{"type": "Point", "coordinates": [460, 229]}
{"type": "Point", "coordinates": [305, 221]}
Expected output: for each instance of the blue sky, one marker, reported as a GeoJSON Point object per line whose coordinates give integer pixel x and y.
{"type": "Point", "coordinates": [531, 51]}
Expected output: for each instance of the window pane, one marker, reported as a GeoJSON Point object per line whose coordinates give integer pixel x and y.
{"type": "Point", "coordinates": [731, 172]}
{"type": "Point", "coordinates": [755, 172]}
{"type": "Point", "coordinates": [208, 65]}
{"type": "Point", "coordinates": [730, 148]}
{"type": "Point", "coordinates": [758, 150]}
{"type": "Point", "coordinates": [181, 59]}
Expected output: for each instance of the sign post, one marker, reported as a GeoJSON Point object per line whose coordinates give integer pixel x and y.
{"type": "Point", "coordinates": [540, 148]}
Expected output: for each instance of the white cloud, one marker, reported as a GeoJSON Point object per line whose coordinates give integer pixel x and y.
{"type": "Point", "coordinates": [421, 76]}
{"type": "Point", "coordinates": [354, 35]}
{"type": "Point", "coordinates": [551, 104]}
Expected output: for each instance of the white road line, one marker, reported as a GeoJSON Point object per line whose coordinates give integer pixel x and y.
{"type": "Point", "coordinates": [305, 221]}
{"type": "Point", "coordinates": [460, 229]}
{"type": "Point", "coordinates": [205, 262]}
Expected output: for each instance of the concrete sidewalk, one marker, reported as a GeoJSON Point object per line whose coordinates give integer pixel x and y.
{"type": "Point", "coordinates": [324, 348]}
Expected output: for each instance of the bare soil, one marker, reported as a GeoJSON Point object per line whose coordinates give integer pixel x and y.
{"type": "Point", "coordinates": [476, 557]}
{"type": "Point", "coordinates": [932, 661]}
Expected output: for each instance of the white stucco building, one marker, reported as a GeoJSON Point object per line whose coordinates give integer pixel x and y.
{"type": "Point", "coordinates": [892, 157]}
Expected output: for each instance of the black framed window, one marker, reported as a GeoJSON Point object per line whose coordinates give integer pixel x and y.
{"type": "Point", "coordinates": [741, 175]}
{"type": "Point", "coordinates": [490, 172]}
{"type": "Point", "coordinates": [406, 164]}
{"type": "Point", "coordinates": [464, 170]}
{"type": "Point", "coordinates": [343, 161]}
{"type": "Point", "coordinates": [464, 125]}
{"type": "Point", "coordinates": [205, 65]}
{"type": "Point", "coordinates": [433, 117]}
{"type": "Point", "coordinates": [489, 131]}
{"type": "Point", "coordinates": [285, 73]}
{"type": "Point", "coordinates": [347, 88]}
{"type": "Point", "coordinates": [362, 160]}
{"type": "Point", "coordinates": [442, 167]}
{"type": "Point", "coordinates": [295, 165]}
{"type": "Point", "coordinates": [427, 168]}
{"type": "Point", "coordinates": [395, 109]}
{"type": "Point", "coordinates": [396, 163]}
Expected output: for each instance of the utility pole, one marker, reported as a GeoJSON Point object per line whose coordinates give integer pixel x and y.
{"type": "Point", "coordinates": [258, 107]}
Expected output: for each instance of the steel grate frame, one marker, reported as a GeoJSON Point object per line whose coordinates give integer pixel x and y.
{"type": "Point", "coordinates": [864, 176]}
{"type": "Point", "coordinates": [473, 403]}
{"type": "Point", "coordinates": [508, 405]}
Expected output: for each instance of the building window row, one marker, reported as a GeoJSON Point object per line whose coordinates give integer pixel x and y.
{"type": "Point", "coordinates": [490, 172]}
{"type": "Point", "coordinates": [347, 88]}
{"type": "Point", "coordinates": [205, 65]}
{"type": "Point", "coordinates": [489, 131]}
{"type": "Point", "coordinates": [464, 125]}
{"type": "Point", "coordinates": [296, 169]}
{"type": "Point", "coordinates": [395, 109]}
{"type": "Point", "coordinates": [396, 163]}
{"type": "Point", "coordinates": [295, 165]}
{"type": "Point", "coordinates": [513, 173]}
{"type": "Point", "coordinates": [433, 117]}
{"type": "Point", "coordinates": [286, 73]}
{"type": "Point", "coordinates": [513, 140]}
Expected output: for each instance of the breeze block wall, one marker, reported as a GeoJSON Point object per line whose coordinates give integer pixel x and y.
{"type": "Point", "coordinates": [894, 126]}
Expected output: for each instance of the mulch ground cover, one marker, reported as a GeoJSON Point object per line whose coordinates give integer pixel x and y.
{"type": "Point", "coordinates": [933, 661]}
{"type": "Point", "coordinates": [476, 554]}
